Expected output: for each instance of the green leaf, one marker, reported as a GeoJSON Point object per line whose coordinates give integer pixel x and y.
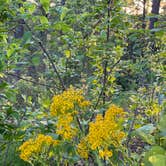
{"type": "Point", "coordinates": [162, 124]}
{"type": "Point", "coordinates": [11, 96]}
{"type": "Point", "coordinates": [64, 11]}
{"type": "Point", "coordinates": [145, 132]}
{"type": "Point", "coordinates": [45, 4]}
{"type": "Point", "coordinates": [46, 103]}
{"type": "Point", "coordinates": [147, 129]}
{"type": "Point", "coordinates": [44, 20]}
{"type": "Point", "coordinates": [31, 7]}
{"type": "Point", "coordinates": [99, 162]}
{"type": "Point", "coordinates": [10, 52]}
{"type": "Point", "coordinates": [156, 30]}
{"type": "Point", "coordinates": [154, 151]}
{"type": "Point", "coordinates": [27, 37]}
{"type": "Point", "coordinates": [36, 60]}
{"type": "Point", "coordinates": [3, 85]}
{"type": "Point", "coordinates": [62, 26]}
{"type": "Point", "coordinates": [158, 160]}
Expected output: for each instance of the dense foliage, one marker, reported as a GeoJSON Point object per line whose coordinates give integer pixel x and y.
{"type": "Point", "coordinates": [82, 82]}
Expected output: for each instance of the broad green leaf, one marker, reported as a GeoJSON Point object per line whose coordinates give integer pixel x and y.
{"type": "Point", "coordinates": [156, 30]}
{"type": "Point", "coordinates": [45, 4]}
{"type": "Point", "coordinates": [3, 85]}
{"type": "Point", "coordinates": [145, 132]}
{"type": "Point", "coordinates": [62, 26]}
{"type": "Point", "coordinates": [158, 160]}
{"type": "Point", "coordinates": [64, 11]}
{"type": "Point", "coordinates": [147, 129]}
{"type": "Point", "coordinates": [154, 150]}
{"type": "Point", "coordinates": [43, 20]}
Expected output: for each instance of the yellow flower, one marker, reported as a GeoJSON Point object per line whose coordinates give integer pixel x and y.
{"type": "Point", "coordinates": [67, 101]}
{"type": "Point", "coordinates": [113, 112]}
{"type": "Point", "coordinates": [32, 148]}
{"type": "Point", "coordinates": [84, 103]}
{"type": "Point", "coordinates": [82, 148]}
{"type": "Point", "coordinates": [105, 131]}
{"type": "Point", "coordinates": [65, 106]}
{"type": "Point", "coordinates": [65, 127]}
{"type": "Point", "coordinates": [105, 153]}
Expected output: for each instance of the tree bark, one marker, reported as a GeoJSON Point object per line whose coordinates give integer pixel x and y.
{"type": "Point", "coordinates": [144, 15]}
{"type": "Point", "coordinates": [63, 2]}
{"type": "Point", "coordinates": [155, 11]}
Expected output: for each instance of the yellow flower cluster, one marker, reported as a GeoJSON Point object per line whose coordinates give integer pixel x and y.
{"type": "Point", "coordinates": [32, 148]}
{"type": "Point", "coordinates": [82, 148]}
{"type": "Point", "coordinates": [67, 102]}
{"type": "Point", "coordinates": [65, 106]}
{"type": "Point", "coordinates": [105, 131]}
{"type": "Point", "coordinates": [65, 128]}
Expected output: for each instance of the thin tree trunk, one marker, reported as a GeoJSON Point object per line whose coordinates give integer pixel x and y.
{"type": "Point", "coordinates": [63, 2]}
{"type": "Point", "coordinates": [107, 40]}
{"type": "Point", "coordinates": [144, 15]}
{"type": "Point", "coordinates": [155, 11]}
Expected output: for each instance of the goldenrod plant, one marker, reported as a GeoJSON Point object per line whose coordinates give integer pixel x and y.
{"type": "Point", "coordinates": [82, 82]}
{"type": "Point", "coordinates": [104, 134]}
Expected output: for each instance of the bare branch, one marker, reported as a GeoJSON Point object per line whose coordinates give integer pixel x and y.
{"type": "Point", "coordinates": [37, 83]}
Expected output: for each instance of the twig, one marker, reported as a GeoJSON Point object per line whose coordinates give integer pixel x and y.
{"type": "Point", "coordinates": [79, 124]}
{"type": "Point", "coordinates": [104, 81]}
{"type": "Point", "coordinates": [130, 130]}
{"type": "Point", "coordinates": [98, 99]}
{"type": "Point", "coordinates": [114, 65]}
{"type": "Point", "coordinates": [15, 75]}
{"type": "Point", "coordinates": [106, 61]}
{"type": "Point", "coordinates": [48, 56]}
{"type": "Point", "coordinates": [105, 73]}
{"type": "Point", "coordinates": [53, 65]}
{"type": "Point", "coordinates": [108, 22]}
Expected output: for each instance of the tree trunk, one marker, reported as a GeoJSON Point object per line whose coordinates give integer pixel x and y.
{"type": "Point", "coordinates": [155, 11]}
{"type": "Point", "coordinates": [144, 15]}
{"type": "Point", "coordinates": [63, 2]}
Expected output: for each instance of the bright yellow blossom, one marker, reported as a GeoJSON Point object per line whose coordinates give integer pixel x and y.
{"type": "Point", "coordinates": [32, 148]}
{"type": "Point", "coordinates": [64, 106]}
{"type": "Point", "coordinates": [105, 153]}
{"type": "Point", "coordinates": [67, 101]}
{"type": "Point", "coordinates": [105, 131]}
{"type": "Point", "coordinates": [82, 148]}
{"type": "Point", "coordinates": [65, 127]}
